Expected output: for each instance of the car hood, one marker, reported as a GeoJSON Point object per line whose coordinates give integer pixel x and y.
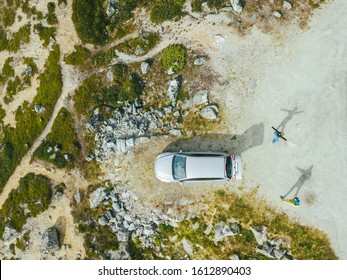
{"type": "Point", "coordinates": [163, 168]}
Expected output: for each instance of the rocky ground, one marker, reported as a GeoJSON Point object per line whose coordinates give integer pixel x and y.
{"type": "Point", "coordinates": [257, 71]}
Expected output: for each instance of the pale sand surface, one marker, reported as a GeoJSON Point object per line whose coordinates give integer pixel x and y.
{"type": "Point", "coordinates": [307, 70]}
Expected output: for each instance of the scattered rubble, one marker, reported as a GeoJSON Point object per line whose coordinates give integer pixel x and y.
{"type": "Point", "coordinates": [9, 235]}
{"type": "Point", "coordinates": [222, 230]}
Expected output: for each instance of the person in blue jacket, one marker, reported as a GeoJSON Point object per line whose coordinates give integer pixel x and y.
{"type": "Point", "coordinates": [278, 135]}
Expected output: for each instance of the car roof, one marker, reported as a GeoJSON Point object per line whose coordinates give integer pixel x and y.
{"type": "Point", "coordinates": [205, 167]}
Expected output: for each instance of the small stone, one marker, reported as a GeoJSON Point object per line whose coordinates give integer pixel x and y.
{"type": "Point", "coordinates": [103, 221]}
{"type": "Point", "coordinates": [219, 39]}
{"type": "Point", "coordinates": [77, 197]}
{"type": "Point", "coordinates": [50, 149]}
{"type": "Point", "coordinates": [66, 157]}
{"type": "Point", "coordinates": [201, 97]}
{"type": "Point", "coordinates": [138, 50]}
{"type": "Point", "coordinates": [276, 14]}
{"type": "Point", "coordinates": [144, 68]}
{"type": "Point", "coordinates": [171, 71]}
{"type": "Point", "coordinates": [39, 109]}
{"type": "Point", "coordinates": [175, 132]}
{"type": "Point", "coordinates": [52, 40]}
{"type": "Point", "coordinates": [252, 84]}
{"type": "Point", "coordinates": [53, 156]}
{"type": "Point", "coordinates": [56, 148]}
{"type": "Point", "coordinates": [96, 197]}
{"type": "Point", "coordinates": [110, 75]}
{"type": "Point", "coordinates": [172, 91]}
{"type": "Point", "coordinates": [222, 230]}
{"type": "Point", "coordinates": [287, 5]}
{"type": "Point", "coordinates": [187, 246]}
{"type": "Point", "coordinates": [176, 114]}
{"type": "Point", "coordinates": [89, 157]}
{"type": "Point", "coordinates": [28, 71]}
{"type": "Point", "coordinates": [208, 113]}
{"type": "Point", "coordinates": [234, 257]}
{"type": "Point", "coordinates": [236, 5]}
{"type": "Point", "coordinates": [200, 60]}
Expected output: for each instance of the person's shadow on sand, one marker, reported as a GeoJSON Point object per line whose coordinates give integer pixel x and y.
{"type": "Point", "coordinates": [305, 176]}
{"type": "Point", "coordinates": [291, 113]}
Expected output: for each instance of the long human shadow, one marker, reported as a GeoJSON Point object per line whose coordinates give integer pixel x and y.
{"type": "Point", "coordinates": [219, 142]}
{"type": "Point", "coordinates": [305, 176]}
{"type": "Point", "coordinates": [291, 113]}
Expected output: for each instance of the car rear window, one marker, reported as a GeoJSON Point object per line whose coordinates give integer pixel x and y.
{"type": "Point", "coordinates": [179, 167]}
{"type": "Point", "coordinates": [228, 167]}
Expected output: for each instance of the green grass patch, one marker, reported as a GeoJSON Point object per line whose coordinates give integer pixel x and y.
{"type": "Point", "coordinates": [2, 114]}
{"type": "Point", "coordinates": [174, 56]}
{"type": "Point", "coordinates": [166, 10]}
{"type": "Point", "coordinates": [61, 142]}
{"type": "Point", "coordinates": [31, 11]}
{"type": "Point", "coordinates": [90, 21]}
{"type": "Point", "coordinates": [45, 33]}
{"type": "Point", "coordinates": [7, 69]}
{"type": "Point", "coordinates": [95, 91]}
{"type": "Point", "coordinates": [79, 56]}
{"type": "Point", "coordinates": [13, 87]}
{"type": "Point", "coordinates": [50, 17]}
{"type": "Point", "coordinates": [22, 36]}
{"type": "Point", "coordinates": [30, 124]}
{"type": "Point", "coordinates": [197, 5]}
{"type": "Point", "coordinates": [146, 42]}
{"type": "Point", "coordinates": [32, 197]}
{"type": "Point", "coordinates": [3, 39]}
{"type": "Point", "coordinates": [8, 16]}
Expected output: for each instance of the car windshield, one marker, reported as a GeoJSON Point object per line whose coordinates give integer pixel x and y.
{"type": "Point", "coordinates": [179, 167]}
{"type": "Point", "coordinates": [228, 167]}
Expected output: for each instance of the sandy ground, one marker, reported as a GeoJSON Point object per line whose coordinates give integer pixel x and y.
{"type": "Point", "coordinates": [305, 70]}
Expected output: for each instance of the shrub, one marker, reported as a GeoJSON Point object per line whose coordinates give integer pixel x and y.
{"type": "Point", "coordinates": [197, 5]}
{"type": "Point", "coordinates": [7, 69]}
{"type": "Point", "coordinates": [166, 10]}
{"type": "Point", "coordinates": [90, 21]}
{"type": "Point", "coordinates": [45, 33]}
{"type": "Point", "coordinates": [8, 16]}
{"type": "Point", "coordinates": [174, 56]}
{"type": "Point", "coordinates": [22, 36]}
{"type": "Point", "coordinates": [62, 137]}
{"type": "Point", "coordinates": [51, 18]}
{"type": "Point", "coordinates": [33, 193]}
{"type": "Point", "coordinates": [3, 39]}
{"type": "Point", "coordinates": [216, 4]}
{"type": "Point", "coordinates": [13, 86]}
{"type": "Point", "coordinates": [79, 56]}
{"type": "Point", "coordinates": [2, 114]}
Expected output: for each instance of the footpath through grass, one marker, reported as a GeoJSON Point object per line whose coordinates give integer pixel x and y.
{"type": "Point", "coordinates": [30, 124]}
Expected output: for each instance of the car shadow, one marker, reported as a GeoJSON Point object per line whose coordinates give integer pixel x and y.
{"type": "Point", "coordinates": [219, 142]}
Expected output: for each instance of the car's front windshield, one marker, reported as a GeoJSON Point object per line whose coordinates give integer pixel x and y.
{"type": "Point", "coordinates": [179, 167]}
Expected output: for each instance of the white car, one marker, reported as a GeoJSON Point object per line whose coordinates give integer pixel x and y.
{"type": "Point", "coordinates": [197, 167]}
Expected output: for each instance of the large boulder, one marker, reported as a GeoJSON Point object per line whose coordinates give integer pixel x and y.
{"type": "Point", "coordinates": [144, 67]}
{"type": "Point", "coordinates": [96, 197]}
{"type": "Point", "coordinates": [50, 240]}
{"type": "Point", "coordinates": [201, 97]}
{"type": "Point", "coordinates": [222, 230]}
{"type": "Point", "coordinates": [174, 86]}
{"type": "Point", "coordinates": [260, 235]}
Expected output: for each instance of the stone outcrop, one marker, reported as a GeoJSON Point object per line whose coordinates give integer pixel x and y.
{"type": "Point", "coordinates": [50, 240]}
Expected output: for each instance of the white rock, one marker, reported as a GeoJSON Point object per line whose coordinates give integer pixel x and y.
{"type": "Point", "coordinates": [110, 75]}
{"type": "Point", "coordinates": [171, 71]}
{"type": "Point", "coordinates": [201, 97]}
{"type": "Point", "coordinates": [276, 14]}
{"type": "Point", "coordinates": [96, 197]}
{"type": "Point", "coordinates": [287, 5]}
{"type": "Point", "coordinates": [208, 113]}
{"type": "Point", "coordinates": [187, 246]}
{"type": "Point", "coordinates": [172, 91]}
{"type": "Point", "coordinates": [219, 39]}
{"type": "Point", "coordinates": [175, 132]}
{"type": "Point", "coordinates": [144, 67]}
{"type": "Point", "coordinates": [260, 235]}
{"type": "Point", "coordinates": [237, 5]}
